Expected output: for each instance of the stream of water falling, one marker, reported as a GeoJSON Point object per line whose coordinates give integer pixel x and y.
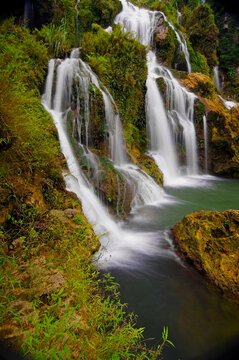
{"type": "Point", "coordinates": [205, 132]}
{"type": "Point", "coordinates": [169, 129]}
{"type": "Point", "coordinates": [216, 77]}
{"type": "Point", "coordinates": [139, 251]}
{"type": "Point", "coordinates": [118, 244]}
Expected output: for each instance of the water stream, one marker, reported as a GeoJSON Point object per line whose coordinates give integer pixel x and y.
{"type": "Point", "coordinates": [163, 291]}
{"type": "Point", "coordinates": [174, 127]}
{"type": "Point", "coordinates": [139, 251]}
{"type": "Point", "coordinates": [205, 132]}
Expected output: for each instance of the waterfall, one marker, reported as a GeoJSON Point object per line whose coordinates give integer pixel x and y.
{"type": "Point", "coordinates": [28, 14]}
{"type": "Point", "coordinates": [216, 77]}
{"type": "Point", "coordinates": [118, 245]}
{"type": "Point", "coordinates": [144, 188]}
{"type": "Point", "coordinates": [227, 103]}
{"type": "Point", "coordinates": [180, 104]}
{"type": "Point", "coordinates": [205, 132]}
{"type": "Point", "coordinates": [162, 146]}
{"type": "Point", "coordinates": [182, 42]}
{"type": "Point", "coordinates": [174, 126]}
{"type": "Point", "coordinates": [142, 22]}
{"type": "Point", "coordinates": [48, 87]}
{"type": "Point", "coordinates": [179, 17]}
{"type": "Point", "coordinates": [139, 21]}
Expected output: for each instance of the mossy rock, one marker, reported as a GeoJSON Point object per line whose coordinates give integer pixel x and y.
{"type": "Point", "coordinates": [200, 84]}
{"type": "Point", "coordinates": [223, 140]}
{"type": "Point", "coordinates": [165, 42]}
{"type": "Point", "coordinates": [113, 188]}
{"type": "Point", "coordinates": [223, 129]}
{"type": "Point", "coordinates": [147, 164]}
{"type": "Point", "coordinates": [163, 88]}
{"type": "Point", "coordinates": [210, 239]}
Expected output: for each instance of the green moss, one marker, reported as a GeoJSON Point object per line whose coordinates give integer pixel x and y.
{"type": "Point", "coordinates": [210, 240]}
{"type": "Point", "coordinates": [198, 62]}
{"type": "Point", "coordinates": [199, 112]}
{"type": "Point", "coordinates": [166, 45]}
{"type": "Point", "coordinates": [41, 294]}
{"type": "Point", "coordinates": [120, 62]}
{"type": "Point", "coordinates": [101, 12]}
{"type": "Point", "coordinates": [202, 32]}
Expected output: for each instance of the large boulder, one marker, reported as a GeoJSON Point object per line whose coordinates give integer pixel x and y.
{"type": "Point", "coordinates": [210, 239]}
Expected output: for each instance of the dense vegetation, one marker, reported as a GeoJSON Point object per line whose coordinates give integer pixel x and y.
{"type": "Point", "coordinates": [58, 305]}
{"type": "Point", "coordinates": [50, 306]}
{"type": "Point", "coordinates": [119, 61]}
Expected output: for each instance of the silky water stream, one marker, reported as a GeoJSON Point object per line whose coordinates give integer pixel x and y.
{"type": "Point", "coordinates": [164, 291]}
{"type": "Point", "coordinates": [158, 286]}
{"type": "Point", "coordinates": [139, 251]}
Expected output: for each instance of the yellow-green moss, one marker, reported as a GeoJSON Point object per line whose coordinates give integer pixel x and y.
{"type": "Point", "coordinates": [210, 239]}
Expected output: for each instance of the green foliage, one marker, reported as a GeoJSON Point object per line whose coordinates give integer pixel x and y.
{"type": "Point", "coordinates": [61, 34]}
{"type": "Point", "coordinates": [66, 309]}
{"type": "Point", "coordinates": [199, 112]}
{"type": "Point", "coordinates": [56, 39]}
{"type": "Point", "coordinates": [120, 62]}
{"type": "Point", "coordinates": [202, 31]}
{"type": "Point", "coordinates": [22, 59]}
{"type": "Point", "coordinates": [167, 7]}
{"type": "Point", "coordinates": [228, 50]}
{"type": "Point", "coordinates": [191, 4]}
{"type": "Point", "coordinates": [198, 62]}
{"type": "Point", "coordinates": [205, 89]}
{"type": "Point", "coordinates": [101, 12]}
{"type": "Point", "coordinates": [166, 48]}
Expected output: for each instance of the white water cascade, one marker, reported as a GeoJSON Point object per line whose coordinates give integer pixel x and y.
{"type": "Point", "coordinates": [216, 77]}
{"type": "Point", "coordinates": [118, 245]}
{"type": "Point", "coordinates": [182, 42]}
{"type": "Point", "coordinates": [205, 132]}
{"type": "Point", "coordinates": [174, 127]}
{"type": "Point", "coordinates": [144, 188]}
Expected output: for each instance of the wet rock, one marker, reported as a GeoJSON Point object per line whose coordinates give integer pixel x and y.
{"type": "Point", "coordinates": [210, 240]}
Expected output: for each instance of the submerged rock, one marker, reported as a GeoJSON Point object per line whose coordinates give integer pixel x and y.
{"type": "Point", "coordinates": [210, 239]}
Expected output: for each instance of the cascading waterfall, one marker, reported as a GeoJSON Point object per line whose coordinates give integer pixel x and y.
{"type": "Point", "coordinates": [227, 103]}
{"type": "Point", "coordinates": [216, 77]}
{"type": "Point", "coordinates": [182, 42]}
{"type": "Point", "coordinates": [162, 146]}
{"type": "Point", "coordinates": [180, 104]}
{"type": "Point", "coordinates": [28, 14]}
{"type": "Point", "coordinates": [166, 129]}
{"type": "Point", "coordinates": [144, 188]}
{"type": "Point", "coordinates": [49, 81]}
{"type": "Point", "coordinates": [118, 245]}
{"type": "Point", "coordinates": [205, 132]}
{"type": "Point", "coordinates": [139, 21]}
{"type": "Point", "coordinates": [179, 17]}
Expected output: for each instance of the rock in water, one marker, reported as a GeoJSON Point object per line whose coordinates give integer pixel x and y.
{"type": "Point", "coordinates": [210, 239]}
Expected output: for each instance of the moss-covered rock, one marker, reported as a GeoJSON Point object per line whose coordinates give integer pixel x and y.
{"type": "Point", "coordinates": [200, 84]}
{"type": "Point", "coordinates": [223, 129]}
{"type": "Point", "coordinates": [165, 42]}
{"type": "Point", "coordinates": [120, 62]}
{"type": "Point", "coordinates": [210, 239]}
{"type": "Point", "coordinates": [202, 31]}
{"type": "Point", "coordinates": [147, 164]}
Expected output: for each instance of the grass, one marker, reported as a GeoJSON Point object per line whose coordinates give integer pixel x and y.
{"type": "Point", "coordinates": [59, 307]}
{"type": "Point", "coordinates": [53, 302]}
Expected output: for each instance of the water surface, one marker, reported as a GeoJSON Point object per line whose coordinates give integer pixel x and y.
{"type": "Point", "coordinates": [163, 291]}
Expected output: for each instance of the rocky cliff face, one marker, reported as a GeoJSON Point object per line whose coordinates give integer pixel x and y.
{"type": "Point", "coordinates": [223, 131]}
{"type": "Point", "coordinates": [210, 239]}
